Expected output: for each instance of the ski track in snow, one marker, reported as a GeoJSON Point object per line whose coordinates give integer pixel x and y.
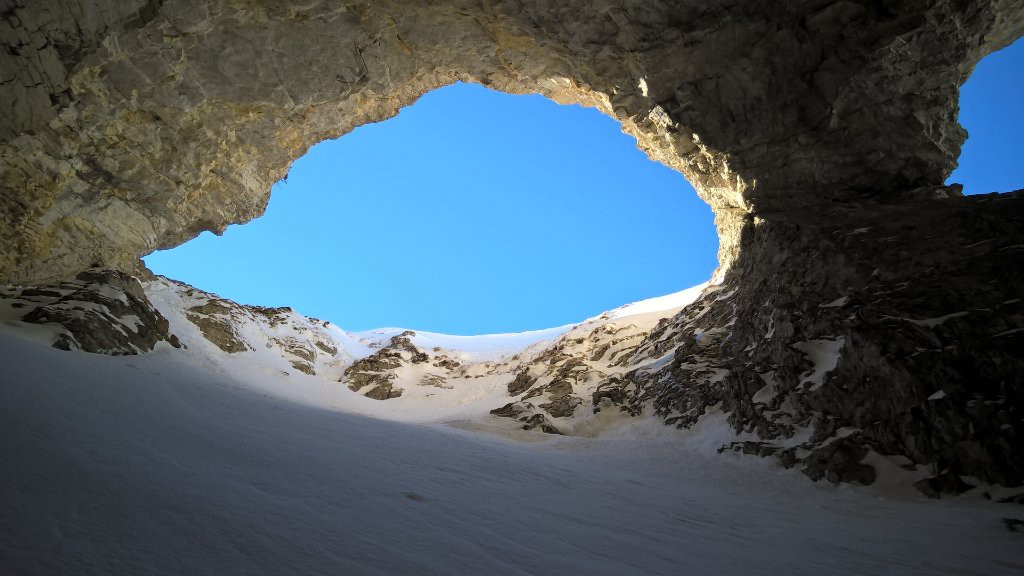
{"type": "Point", "coordinates": [157, 464]}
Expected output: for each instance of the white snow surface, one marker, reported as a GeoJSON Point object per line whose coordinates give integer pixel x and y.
{"type": "Point", "coordinates": [162, 464]}
{"type": "Point", "coordinates": [193, 461]}
{"type": "Point", "coordinates": [674, 301]}
{"type": "Point", "coordinates": [824, 354]}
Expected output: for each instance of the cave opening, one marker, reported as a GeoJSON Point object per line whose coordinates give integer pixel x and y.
{"type": "Point", "coordinates": [991, 112]}
{"type": "Point", "coordinates": [472, 211]}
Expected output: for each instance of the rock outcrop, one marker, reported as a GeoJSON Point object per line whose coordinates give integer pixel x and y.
{"type": "Point", "coordinates": [304, 344]}
{"type": "Point", "coordinates": [377, 375]}
{"type": "Point", "coordinates": [558, 387]}
{"type": "Point", "coordinates": [99, 311]}
{"type": "Point", "coordinates": [214, 320]}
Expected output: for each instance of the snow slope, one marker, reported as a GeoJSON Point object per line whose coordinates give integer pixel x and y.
{"type": "Point", "coordinates": [486, 347]}
{"type": "Point", "coordinates": [153, 464]}
{"type": "Point", "coordinates": [669, 302]}
{"type": "Point", "coordinates": [463, 399]}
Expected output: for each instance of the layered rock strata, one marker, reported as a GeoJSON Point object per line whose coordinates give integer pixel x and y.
{"type": "Point", "coordinates": [99, 311]}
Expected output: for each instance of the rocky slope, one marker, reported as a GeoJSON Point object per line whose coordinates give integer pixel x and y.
{"type": "Point", "coordinates": [100, 311]}
{"type": "Point", "coordinates": [297, 343]}
{"type": "Point", "coordinates": [803, 397]}
{"type": "Point", "coordinates": [900, 338]}
{"type": "Point", "coordinates": [377, 375]}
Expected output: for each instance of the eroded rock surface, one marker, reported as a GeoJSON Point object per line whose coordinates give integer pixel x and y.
{"type": "Point", "coordinates": [884, 335]}
{"type": "Point", "coordinates": [100, 311]}
{"type": "Point", "coordinates": [305, 344]}
{"type": "Point", "coordinates": [399, 361]}
{"type": "Point", "coordinates": [213, 320]}
{"type": "Point", "coordinates": [132, 126]}
{"type": "Point", "coordinates": [558, 387]}
{"type": "Point", "coordinates": [898, 330]}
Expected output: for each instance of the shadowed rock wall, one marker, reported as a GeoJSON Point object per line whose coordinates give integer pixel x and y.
{"type": "Point", "coordinates": [887, 326]}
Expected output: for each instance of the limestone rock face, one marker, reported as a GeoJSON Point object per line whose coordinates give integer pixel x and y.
{"type": "Point", "coordinates": [214, 321]}
{"type": "Point", "coordinates": [132, 126]}
{"type": "Point", "coordinates": [100, 311]}
{"type": "Point", "coordinates": [378, 375]}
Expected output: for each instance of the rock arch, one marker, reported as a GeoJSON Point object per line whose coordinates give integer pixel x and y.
{"type": "Point", "coordinates": [137, 125]}
{"type": "Point", "coordinates": [858, 292]}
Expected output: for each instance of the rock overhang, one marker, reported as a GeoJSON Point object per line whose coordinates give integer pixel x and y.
{"type": "Point", "coordinates": [137, 127]}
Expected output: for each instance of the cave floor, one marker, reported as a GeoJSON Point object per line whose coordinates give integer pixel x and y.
{"type": "Point", "coordinates": [155, 465]}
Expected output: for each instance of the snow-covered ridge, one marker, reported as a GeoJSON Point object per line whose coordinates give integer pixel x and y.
{"type": "Point", "coordinates": [674, 301]}
{"type": "Point", "coordinates": [390, 372]}
{"type": "Point", "coordinates": [493, 346]}
{"type": "Point", "coordinates": [480, 348]}
{"type": "Point", "coordinates": [173, 298]}
{"type": "Point", "coordinates": [417, 376]}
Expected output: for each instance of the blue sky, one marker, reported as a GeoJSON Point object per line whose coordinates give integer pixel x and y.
{"type": "Point", "coordinates": [477, 212]}
{"type": "Point", "coordinates": [470, 212]}
{"type": "Point", "coordinates": [992, 111]}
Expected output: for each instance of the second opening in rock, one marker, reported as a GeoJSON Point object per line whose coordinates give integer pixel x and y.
{"type": "Point", "coordinates": [991, 111]}
{"type": "Point", "coordinates": [470, 212]}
